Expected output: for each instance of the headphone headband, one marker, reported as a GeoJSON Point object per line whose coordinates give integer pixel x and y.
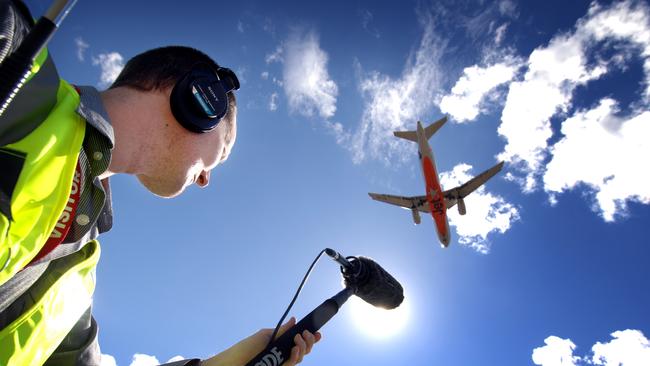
{"type": "Point", "coordinates": [228, 79]}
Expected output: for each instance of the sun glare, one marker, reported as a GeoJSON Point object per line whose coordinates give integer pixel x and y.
{"type": "Point", "coordinates": [377, 322]}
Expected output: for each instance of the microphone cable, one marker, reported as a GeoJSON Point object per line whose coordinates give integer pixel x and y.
{"type": "Point", "coordinates": [304, 279]}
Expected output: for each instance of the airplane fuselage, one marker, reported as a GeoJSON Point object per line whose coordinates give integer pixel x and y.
{"type": "Point", "coordinates": [434, 192]}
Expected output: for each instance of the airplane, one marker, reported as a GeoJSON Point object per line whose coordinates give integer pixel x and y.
{"type": "Point", "coordinates": [436, 201]}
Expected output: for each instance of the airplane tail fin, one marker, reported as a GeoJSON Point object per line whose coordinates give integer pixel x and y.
{"type": "Point", "coordinates": [429, 131]}
{"type": "Point", "coordinates": [434, 127]}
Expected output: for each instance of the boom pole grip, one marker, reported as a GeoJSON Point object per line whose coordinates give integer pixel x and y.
{"type": "Point", "coordinates": [280, 350]}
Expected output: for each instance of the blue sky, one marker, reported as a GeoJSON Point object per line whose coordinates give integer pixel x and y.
{"type": "Point", "coordinates": [548, 267]}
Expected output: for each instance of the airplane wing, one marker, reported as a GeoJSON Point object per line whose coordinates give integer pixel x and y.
{"type": "Point", "coordinates": [417, 202]}
{"type": "Point", "coordinates": [453, 195]}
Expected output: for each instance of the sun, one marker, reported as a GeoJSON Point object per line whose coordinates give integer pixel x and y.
{"type": "Point", "coordinates": [377, 322]}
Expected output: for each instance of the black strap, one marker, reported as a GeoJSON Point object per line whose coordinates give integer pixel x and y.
{"type": "Point", "coordinates": [11, 162]}
{"type": "Point", "coordinates": [24, 11]}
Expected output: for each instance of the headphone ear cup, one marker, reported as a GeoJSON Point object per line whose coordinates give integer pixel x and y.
{"type": "Point", "coordinates": [220, 101]}
{"type": "Point", "coordinates": [181, 105]}
{"type": "Point", "coordinates": [199, 100]}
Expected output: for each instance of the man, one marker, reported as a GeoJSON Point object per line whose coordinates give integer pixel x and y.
{"type": "Point", "coordinates": [162, 122]}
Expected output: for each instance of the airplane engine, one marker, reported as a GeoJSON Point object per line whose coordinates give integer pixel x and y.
{"type": "Point", "coordinates": [416, 216]}
{"type": "Point", "coordinates": [461, 206]}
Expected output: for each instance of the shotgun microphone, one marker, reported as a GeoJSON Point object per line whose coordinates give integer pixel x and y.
{"type": "Point", "coordinates": [369, 280]}
{"type": "Point", "coordinates": [372, 283]}
{"type": "Point", "coordinates": [362, 277]}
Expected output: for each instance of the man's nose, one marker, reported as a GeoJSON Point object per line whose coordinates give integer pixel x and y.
{"type": "Point", "coordinates": [204, 179]}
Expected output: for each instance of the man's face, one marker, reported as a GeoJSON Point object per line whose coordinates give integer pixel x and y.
{"type": "Point", "coordinates": [187, 158]}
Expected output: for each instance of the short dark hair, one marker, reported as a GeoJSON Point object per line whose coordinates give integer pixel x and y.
{"type": "Point", "coordinates": [160, 69]}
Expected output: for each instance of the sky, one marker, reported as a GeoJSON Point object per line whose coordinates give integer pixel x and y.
{"type": "Point", "coordinates": [548, 267]}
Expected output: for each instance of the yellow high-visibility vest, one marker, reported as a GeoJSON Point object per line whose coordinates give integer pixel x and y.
{"type": "Point", "coordinates": [51, 152]}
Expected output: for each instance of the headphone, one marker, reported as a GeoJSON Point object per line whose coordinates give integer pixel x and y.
{"type": "Point", "coordinates": [199, 99]}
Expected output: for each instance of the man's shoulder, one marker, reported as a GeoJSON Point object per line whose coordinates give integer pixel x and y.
{"type": "Point", "coordinates": [91, 108]}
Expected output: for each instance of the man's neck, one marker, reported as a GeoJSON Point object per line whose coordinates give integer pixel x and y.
{"type": "Point", "coordinates": [131, 132]}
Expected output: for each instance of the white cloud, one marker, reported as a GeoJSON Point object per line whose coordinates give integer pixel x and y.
{"type": "Point", "coordinates": [486, 212]}
{"type": "Point", "coordinates": [603, 151]}
{"type": "Point", "coordinates": [268, 26]}
{"type": "Point", "coordinates": [107, 360]}
{"type": "Point", "coordinates": [508, 8]}
{"type": "Point", "coordinates": [464, 101]}
{"type": "Point", "coordinates": [556, 352]}
{"type": "Point", "coordinates": [500, 33]}
{"type": "Point", "coordinates": [273, 102]}
{"type": "Point", "coordinates": [175, 358]}
{"type": "Point", "coordinates": [306, 81]}
{"type": "Point", "coordinates": [242, 74]}
{"type": "Point", "coordinates": [336, 129]}
{"type": "Point", "coordinates": [628, 348]}
{"type": "Point", "coordinates": [240, 26]}
{"type": "Point", "coordinates": [111, 64]}
{"type": "Point", "coordinates": [625, 21]}
{"type": "Point", "coordinates": [484, 21]}
{"type": "Point", "coordinates": [275, 56]}
{"type": "Point", "coordinates": [553, 74]}
{"type": "Point", "coordinates": [397, 103]}
{"type": "Point", "coordinates": [366, 19]}
{"type": "Point", "coordinates": [264, 75]}
{"type": "Point", "coordinates": [140, 359]}
{"type": "Point", "coordinates": [81, 48]}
